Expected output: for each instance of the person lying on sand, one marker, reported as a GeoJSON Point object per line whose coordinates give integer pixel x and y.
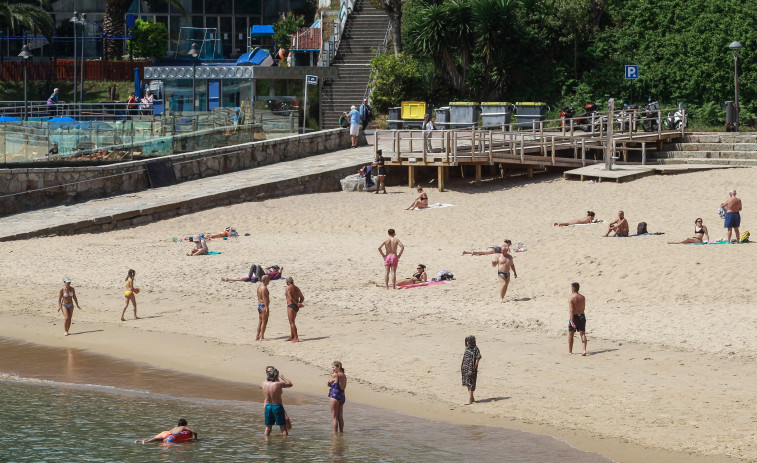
{"type": "Point", "coordinates": [588, 219]}
{"type": "Point", "coordinates": [257, 271]}
{"type": "Point", "coordinates": [619, 226]}
{"type": "Point", "coordinates": [491, 250]}
{"type": "Point", "coordinates": [700, 233]}
{"type": "Point", "coordinates": [418, 277]}
{"type": "Point", "coordinates": [227, 232]}
{"type": "Point", "coordinates": [181, 427]}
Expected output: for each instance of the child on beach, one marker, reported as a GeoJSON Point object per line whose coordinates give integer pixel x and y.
{"type": "Point", "coordinates": [469, 367]}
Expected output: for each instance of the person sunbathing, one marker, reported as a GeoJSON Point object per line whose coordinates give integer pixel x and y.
{"type": "Point", "coordinates": [421, 202]}
{"type": "Point", "coordinates": [419, 277]}
{"type": "Point", "coordinates": [491, 250]}
{"type": "Point", "coordinates": [257, 271]}
{"type": "Point", "coordinates": [588, 219]}
{"type": "Point", "coordinates": [700, 233]}
{"type": "Point", "coordinates": [227, 232]}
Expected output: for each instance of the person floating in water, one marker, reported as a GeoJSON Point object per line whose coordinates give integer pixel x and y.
{"type": "Point", "coordinates": [182, 426]}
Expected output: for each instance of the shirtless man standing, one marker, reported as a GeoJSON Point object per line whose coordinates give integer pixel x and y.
{"type": "Point", "coordinates": [619, 226]}
{"type": "Point", "coordinates": [577, 322]}
{"type": "Point", "coordinates": [263, 306]}
{"type": "Point", "coordinates": [391, 257]}
{"type": "Point", "coordinates": [732, 214]}
{"type": "Point", "coordinates": [274, 409]}
{"type": "Point", "coordinates": [504, 263]}
{"type": "Point", "coordinates": [181, 427]}
{"type": "Point", "coordinates": [295, 301]}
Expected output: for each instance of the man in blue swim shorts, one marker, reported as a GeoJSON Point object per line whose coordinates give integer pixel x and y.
{"type": "Point", "coordinates": [272, 388]}
{"type": "Point", "coordinates": [732, 215]}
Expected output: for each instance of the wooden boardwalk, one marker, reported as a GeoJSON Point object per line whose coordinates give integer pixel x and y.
{"type": "Point", "coordinates": [548, 144]}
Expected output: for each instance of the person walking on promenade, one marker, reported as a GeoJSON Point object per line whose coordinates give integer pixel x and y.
{"type": "Point", "coordinates": [391, 257]}
{"type": "Point", "coordinates": [130, 293]}
{"type": "Point", "coordinates": [366, 113]}
{"type": "Point", "coordinates": [428, 130]}
{"type": "Point", "coordinates": [66, 300]}
{"type": "Point", "coordinates": [337, 383]}
{"type": "Point", "coordinates": [273, 387]}
{"type": "Point", "coordinates": [354, 125]}
{"type": "Point", "coordinates": [577, 321]}
{"type": "Point", "coordinates": [732, 215]}
{"type": "Point", "coordinates": [295, 301]}
{"type": "Point", "coordinates": [469, 367]}
{"type": "Point", "coordinates": [264, 302]}
{"type": "Point", "coordinates": [505, 266]}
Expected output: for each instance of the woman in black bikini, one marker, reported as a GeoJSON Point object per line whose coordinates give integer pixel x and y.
{"type": "Point", "coordinates": [419, 277]}
{"type": "Point", "coordinates": [421, 202]}
{"type": "Point", "coordinates": [700, 233]}
{"type": "Point", "coordinates": [381, 174]}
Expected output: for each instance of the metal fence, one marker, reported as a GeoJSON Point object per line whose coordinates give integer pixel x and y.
{"type": "Point", "coordinates": [63, 69]}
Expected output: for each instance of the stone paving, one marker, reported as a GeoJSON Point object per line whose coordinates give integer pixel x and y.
{"type": "Point", "coordinates": [312, 174]}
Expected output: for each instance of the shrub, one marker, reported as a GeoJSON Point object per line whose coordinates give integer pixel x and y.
{"type": "Point", "coordinates": [149, 39]}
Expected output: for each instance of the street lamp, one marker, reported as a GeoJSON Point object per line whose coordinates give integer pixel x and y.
{"type": "Point", "coordinates": [735, 48]}
{"type": "Point", "coordinates": [25, 54]}
{"type": "Point", "coordinates": [194, 53]}
{"type": "Point", "coordinates": [83, 32]}
{"type": "Point", "coordinates": [75, 21]}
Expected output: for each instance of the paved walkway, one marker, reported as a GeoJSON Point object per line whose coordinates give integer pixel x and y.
{"type": "Point", "coordinates": [147, 204]}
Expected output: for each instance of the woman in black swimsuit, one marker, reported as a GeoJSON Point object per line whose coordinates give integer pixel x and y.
{"type": "Point", "coordinates": [381, 175]}
{"type": "Point", "coordinates": [421, 202]}
{"type": "Point", "coordinates": [419, 277]}
{"type": "Point", "coordinates": [700, 233]}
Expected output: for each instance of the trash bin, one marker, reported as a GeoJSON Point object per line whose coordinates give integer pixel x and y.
{"type": "Point", "coordinates": [530, 112]}
{"type": "Point", "coordinates": [463, 114]}
{"type": "Point", "coordinates": [412, 114]}
{"type": "Point", "coordinates": [442, 118]}
{"type": "Point", "coordinates": [731, 117]}
{"type": "Point", "coordinates": [395, 118]}
{"type": "Point", "coordinates": [495, 114]}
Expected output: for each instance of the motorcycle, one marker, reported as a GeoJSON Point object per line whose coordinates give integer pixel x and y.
{"type": "Point", "coordinates": [675, 120]}
{"type": "Point", "coordinates": [567, 113]}
{"type": "Point", "coordinates": [624, 119]}
{"type": "Point", "coordinates": [590, 119]}
{"type": "Point", "coordinates": [649, 115]}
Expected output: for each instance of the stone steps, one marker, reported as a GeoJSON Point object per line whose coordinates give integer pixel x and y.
{"type": "Point", "coordinates": [715, 161]}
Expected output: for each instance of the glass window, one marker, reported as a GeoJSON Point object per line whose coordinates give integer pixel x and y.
{"type": "Point", "coordinates": [198, 6]}
{"type": "Point", "coordinates": [248, 7]}
{"type": "Point", "coordinates": [227, 36]}
{"type": "Point", "coordinates": [155, 7]}
{"type": "Point", "coordinates": [240, 35]}
{"type": "Point", "coordinates": [219, 7]}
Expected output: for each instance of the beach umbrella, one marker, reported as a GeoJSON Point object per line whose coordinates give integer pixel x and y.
{"type": "Point", "coordinates": [8, 119]}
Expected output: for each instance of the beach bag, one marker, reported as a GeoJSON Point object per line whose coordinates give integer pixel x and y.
{"type": "Point", "coordinates": [641, 229]}
{"type": "Point", "coordinates": [721, 212]}
{"type": "Point", "coordinates": [443, 275]}
{"type": "Point", "coordinates": [744, 238]}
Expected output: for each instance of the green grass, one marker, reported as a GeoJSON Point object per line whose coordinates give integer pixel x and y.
{"type": "Point", "coordinates": [94, 91]}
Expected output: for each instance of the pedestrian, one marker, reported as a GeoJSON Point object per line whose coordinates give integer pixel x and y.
{"type": "Point", "coordinates": [428, 128]}
{"type": "Point", "coordinates": [354, 125]}
{"type": "Point", "coordinates": [577, 321]}
{"type": "Point", "coordinates": [66, 300]}
{"type": "Point", "coordinates": [732, 215]}
{"type": "Point", "coordinates": [263, 307]}
{"type": "Point", "coordinates": [273, 387]}
{"type": "Point", "coordinates": [52, 101]}
{"type": "Point", "coordinates": [131, 104]}
{"type": "Point", "coordinates": [130, 293]}
{"type": "Point", "coordinates": [147, 102]}
{"type": "Point", "coordinates": [381, 171]}
{"type": "Point", "coordinates": [366, 113]}
{"type": "Point", "coordinates": [391, 257]}
{"type": "Point", "coordinates": [337, 383]}
{"type": "Point", "coordinates": [295, 301]}
{"type": "Point", "coordinates": [505, 266]}
{"type": "Point", "coordinates": [469, 367]}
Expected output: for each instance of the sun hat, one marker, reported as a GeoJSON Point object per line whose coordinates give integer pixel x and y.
{"type": "Point", "coordinates": [66, 280]}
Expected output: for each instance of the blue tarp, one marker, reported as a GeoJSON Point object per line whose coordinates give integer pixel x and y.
{"type": "Point", "coordinates": [8, 119]}
{"type": "Point", "coordinates": [94, 125]}
{"type": "Point", "coordinates": [261, 31]}
{"type": "Point", "coordinates": [64, 122]}
{"type": "Point", "coordinates": [253, 58]}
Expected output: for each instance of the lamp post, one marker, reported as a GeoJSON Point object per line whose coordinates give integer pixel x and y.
{"type": "Point", "coordinates": [194, 53]}
{"type": "Point", "coordinates": [83, 32]}
{"type": "Point", "coordinates": [25, 54]}
{"type": "Point", "coordinates": [735, 48]}
{"type": "Point", "coordinates": [75, 21]}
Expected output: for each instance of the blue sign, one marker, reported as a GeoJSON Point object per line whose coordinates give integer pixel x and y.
{"type": "Point", "coordinates": [632, 71]}
{"type": "Point", "coordinates": [311, 80]}
{"type": "Point", "coordinates": [131, 20]}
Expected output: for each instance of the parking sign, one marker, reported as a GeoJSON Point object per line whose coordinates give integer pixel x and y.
{"type": "Point", "coordinates": [312, 80]}
{"type": "Point", "coordinates": [632, 71]}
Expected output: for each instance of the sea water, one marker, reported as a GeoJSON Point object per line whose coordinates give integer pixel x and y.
{"type": "Point", "coordinates": [50, 412]}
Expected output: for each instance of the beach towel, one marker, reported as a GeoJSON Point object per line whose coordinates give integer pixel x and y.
{"type": "Point", "coordinates": [426, 283]}
{"type": "Point", "coordinates": [213, 253]}
{"type": "Point", "coordinates": [436, 206]}
{"type": "Point", "coordinates": [711, 242]}
{"type": "Point", "coordinates": [639, 234]}
{"type": "Point", "coordinates": [583, 224]}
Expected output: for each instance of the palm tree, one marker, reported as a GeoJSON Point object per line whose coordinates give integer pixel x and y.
{"type": "Point", "coordinates": [15, 14]}
{"type": "Point", "coordinates": [114, 21]}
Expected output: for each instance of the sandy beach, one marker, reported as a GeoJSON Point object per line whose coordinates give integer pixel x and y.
{"type": "Point", "coordinates": [671, 327]}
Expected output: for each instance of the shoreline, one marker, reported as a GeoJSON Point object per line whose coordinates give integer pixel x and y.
{"type": "Point", "coordinates": [307, 390]}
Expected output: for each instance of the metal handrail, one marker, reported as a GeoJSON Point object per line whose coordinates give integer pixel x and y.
{"type": "Point", "coordinates": [379, 51]}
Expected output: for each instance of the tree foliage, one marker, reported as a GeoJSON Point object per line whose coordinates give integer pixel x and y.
{"type": "Point", "coordinates": [17, 15]}
{"type": "Point", "coordinates": [149, 39]}
{"type": "Point", "coordinates": [287, 26]}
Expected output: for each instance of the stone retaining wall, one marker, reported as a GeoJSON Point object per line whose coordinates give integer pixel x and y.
{"type": "Point", "coordinates": [27, 189]}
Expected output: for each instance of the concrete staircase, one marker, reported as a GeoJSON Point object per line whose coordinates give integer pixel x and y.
{"type": "Point", "coordinates": [363, 35]}
{"type": "Point", "coordinates": [719, 148]}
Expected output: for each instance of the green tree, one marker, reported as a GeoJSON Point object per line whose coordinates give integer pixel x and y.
{"type": "Point", "coordinates": [114, 22]}
{"type": "Point", "coordinates": [16, 15]}
{"type": "Point", "coordinates": [393, 9]}
{"type": "Point", "coordinates": [149, 39]}
{"type": "Point", "coordinates": [287, 26]}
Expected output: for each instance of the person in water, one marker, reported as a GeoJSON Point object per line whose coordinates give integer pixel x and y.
{"type": "Point", "coordinates": [337, 383]}
{"type": "Point", "coordinates": [182, 426]}
{"type": "Point", "coordinates": [273, 387]}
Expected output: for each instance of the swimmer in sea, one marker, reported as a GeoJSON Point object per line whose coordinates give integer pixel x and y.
{"type": "Point", "coordinates": [181, 427]}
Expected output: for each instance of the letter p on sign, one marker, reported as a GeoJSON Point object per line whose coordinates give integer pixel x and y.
{"type": "Point", "coordinates": [632, 71]}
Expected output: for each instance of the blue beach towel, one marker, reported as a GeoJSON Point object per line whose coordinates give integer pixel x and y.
{"type": "Point", "coordinates": [213, 253]}
{"type": "Point", "coordinates": [712, 242]}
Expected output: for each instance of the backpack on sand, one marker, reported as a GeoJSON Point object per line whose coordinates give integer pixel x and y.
{"type": "Point", "coordinates": [641, 229]}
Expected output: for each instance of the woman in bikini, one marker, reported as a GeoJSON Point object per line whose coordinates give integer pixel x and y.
{"type": "Point", "coordinates": [381, 171]}
{"type": "Point", "coordinates": [421, 202]}
{"type": "Point", "coordinates": [130, 294]}
{"type": "Point", "coordinates": [419, 277]}
{"type": "Point", "coordinates": [66, 300]}
{"type": "Point", "coordinates": [700, 233]}
{"type": "Point", "coordinates": [337, 383]}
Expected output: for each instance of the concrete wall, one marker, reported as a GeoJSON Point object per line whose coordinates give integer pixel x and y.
{"type": "Point", "coordinates": [26, 189]}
